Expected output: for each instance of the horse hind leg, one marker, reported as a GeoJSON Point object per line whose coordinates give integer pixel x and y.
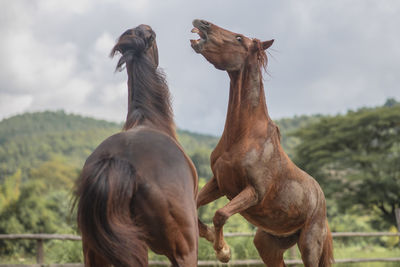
{"type": "Point", "coordinates": [92, 259]}
{"type": "Point", "coordinates": [271, 248]}
{"type": "Point", "coordinates": [184, 261]}
{"type": "Point", "coordinates": [182, 254]}
{"type": "Point", "coordinates": [314, 240]}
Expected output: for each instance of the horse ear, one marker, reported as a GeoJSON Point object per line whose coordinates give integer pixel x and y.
{"type": "Point", "coordinates": [267, 44]}
{"type": "Point", "coordinates": [155, 53]}
{"type": "Point", "coordinates": [151, 37]}
{"type": "Point", "coordinates": [146, 32]}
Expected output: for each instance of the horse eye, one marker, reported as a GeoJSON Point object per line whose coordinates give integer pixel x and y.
{"type": "Point", "coordinates": [239, 38]}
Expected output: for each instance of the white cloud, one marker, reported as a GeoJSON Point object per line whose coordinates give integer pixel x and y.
{"type": "Point", "coordinates": [62, 6]}
{"type": "Point", "coordinates": [11, 104]}
{"type": "Point", "coordinates": [104, 43]}
{"type": "Point", "coordinates": [71, 95]}
{"type": "Point", "coordinates": [37, 66]}
{"type": "Point", "coordinates": [137, 5]}
{"type": "Point", "coordinates": [328, 56]}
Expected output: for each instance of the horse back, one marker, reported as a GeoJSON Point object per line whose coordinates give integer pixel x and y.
{"type": "Point", "coordinates": [154, 155]}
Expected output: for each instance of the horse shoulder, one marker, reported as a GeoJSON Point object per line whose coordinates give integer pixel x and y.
{"type": "Point", "coordinates": [260, 163]}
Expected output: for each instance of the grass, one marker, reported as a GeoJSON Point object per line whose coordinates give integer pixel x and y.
{"type": "Point", "coordinates": [242, 248]}
{"type": "Point", "coordinates": [366, 251]}
{"type": "Point", "coordinates": [343, 251]}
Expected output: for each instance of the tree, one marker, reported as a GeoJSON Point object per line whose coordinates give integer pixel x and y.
{"type": "Point", "coordinates": [390, 102]}
{"type": "Point", "coordinates": [39, 205]}
{"type": "Point", "coordinates": [356, 158]}
{"type": "Point", "coordinates": [201, 160]}
{"type": "Point", "coordinates": [10, 190]}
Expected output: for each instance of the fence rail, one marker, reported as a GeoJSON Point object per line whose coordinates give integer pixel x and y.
{"type": "Point", "coordinates": [40, 238]}
{"type": "Point", "coordinates": [334, 234]}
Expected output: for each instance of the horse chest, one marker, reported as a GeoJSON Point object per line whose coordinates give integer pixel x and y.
{"type": "Point", "coordinates": [230, 177]}
{"type": "Point", "coordinates": [236, 169]}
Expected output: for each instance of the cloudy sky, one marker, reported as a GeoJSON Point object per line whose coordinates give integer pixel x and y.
{"type": "Point", "coordinates": [328, 56]}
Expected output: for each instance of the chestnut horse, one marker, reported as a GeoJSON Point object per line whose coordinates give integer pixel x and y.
{"type": "Point", "coordinates": [138, 188]}
{"type": "Point", "coordinates": [250, 167]}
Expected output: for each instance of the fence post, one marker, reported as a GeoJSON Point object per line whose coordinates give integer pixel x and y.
{"type": "Point", "coordinates": [397, 213]}
{"type": "Point", "coordinates": [39, 251]}
{"type": "Point", "coordinates": [293, 253]}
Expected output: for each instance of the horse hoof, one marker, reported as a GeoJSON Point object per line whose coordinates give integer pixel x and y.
{"type": "Point", "coordinates": [224, 255]}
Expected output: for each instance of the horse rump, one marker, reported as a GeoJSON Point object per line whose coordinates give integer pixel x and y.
{"type": "Point", "coordinates": [104, 192]}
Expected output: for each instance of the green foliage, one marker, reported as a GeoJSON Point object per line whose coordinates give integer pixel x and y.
{"type": "Point", "coordinates": [41, 206]}
{"type": "Point", "coordinates": [192, 142]}
{"type": "Point", "coordinates": [30, 139]}
{"type": "Point", "coordinates": [345, 251]}
{"type": "Point", "coordinates": [201, 159]}
{"type": "Point", "coordinates": [10, 190]}
{"type": "Point", "coordinates": [356, 158]}
{"type": "Point", "coordinates": [62, 251]}
{"type": "Point", "coordinates": [390, 102]}
{"type": "Point", "coordinates": [288, 126]}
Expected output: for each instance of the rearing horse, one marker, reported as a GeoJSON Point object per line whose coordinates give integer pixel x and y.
{"type": "Point", "coordinates": [251, 168]}
{"type": "Point", "coordinates": [138, 188]}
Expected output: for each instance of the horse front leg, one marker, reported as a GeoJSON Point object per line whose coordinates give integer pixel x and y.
{"type": "Point", "coordinates": [245, 199]}
{"type": "Point", "coordinates": [208, 193]}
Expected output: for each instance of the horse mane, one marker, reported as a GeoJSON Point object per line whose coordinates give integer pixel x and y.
{"type": "Point", "coordinates": [148, 97]}
{"type": "Point", "coordinates": [262, 58]}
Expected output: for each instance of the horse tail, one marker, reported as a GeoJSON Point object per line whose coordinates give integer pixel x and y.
{"type": "Point", "coordinates": [104, 194]}
{"type": "Point", "coordinates": [327, 259]}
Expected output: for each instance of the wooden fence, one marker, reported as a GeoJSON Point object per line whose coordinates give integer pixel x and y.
{"type": "Point", "coordinates": [40, 238]}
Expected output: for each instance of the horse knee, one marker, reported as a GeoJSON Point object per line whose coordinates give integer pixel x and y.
{"type": "Point", "coordinates": [220, 218]}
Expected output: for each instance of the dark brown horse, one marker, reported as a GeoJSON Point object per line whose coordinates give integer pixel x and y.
{"type": "Point", "coordinates": [138, 188]}
{"type": "Point", "coordinates": [251, 168]}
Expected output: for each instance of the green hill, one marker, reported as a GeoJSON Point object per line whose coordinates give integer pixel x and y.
{"type": "Point", "coordinates": [30, 139]}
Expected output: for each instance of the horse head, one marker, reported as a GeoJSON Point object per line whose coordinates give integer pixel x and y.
{"type": "Point", "coordinates": [227, 50]}
{"type": "Point", "coordinates": [136, 43]}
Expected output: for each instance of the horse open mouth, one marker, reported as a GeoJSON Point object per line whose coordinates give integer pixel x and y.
{"type": "Point", "coordinates": [197, 45]}
{"type": "Point", "coordinates": [200, 29]}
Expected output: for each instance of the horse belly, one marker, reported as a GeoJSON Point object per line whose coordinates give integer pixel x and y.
{"type": "Point", "coordinates": [284, 208]}
{"type": "Point", "coordinates": [275, 222]}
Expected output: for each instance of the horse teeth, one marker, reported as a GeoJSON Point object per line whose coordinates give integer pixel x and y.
{"type": "Point", "coordinates": [195, 30]}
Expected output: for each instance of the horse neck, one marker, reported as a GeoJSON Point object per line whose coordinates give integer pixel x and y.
{"type": "Point", "coordinates": [247, 105]}
{"type": "Point", "coordinates": [148, 100]}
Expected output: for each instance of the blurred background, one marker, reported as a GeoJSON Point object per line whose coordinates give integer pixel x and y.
{"type": "Point", "coordinates": [332, 86]}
